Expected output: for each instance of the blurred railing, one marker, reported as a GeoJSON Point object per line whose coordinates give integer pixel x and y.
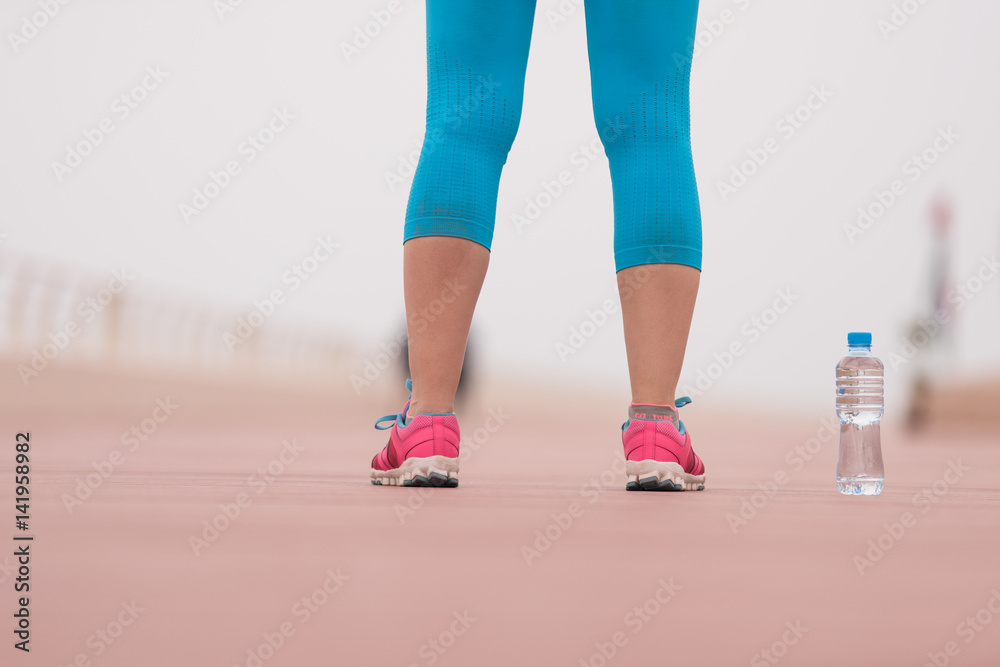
{"type": "Point", "coordinates": [55, 314]}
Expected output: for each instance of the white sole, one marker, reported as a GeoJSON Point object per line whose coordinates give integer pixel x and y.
{"type": "Point", "coordinates": [650, 475]}
{"type": "Point", "coordinates": [430, 471]}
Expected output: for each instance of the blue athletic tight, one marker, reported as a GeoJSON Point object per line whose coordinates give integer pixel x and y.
{"type": "Point", "coordinates": [640, 64]}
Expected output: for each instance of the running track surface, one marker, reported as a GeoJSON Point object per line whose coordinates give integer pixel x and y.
{"type": "Point", "coordinates": [666, 576]}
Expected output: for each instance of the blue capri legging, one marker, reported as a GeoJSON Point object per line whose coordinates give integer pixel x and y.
{"type": "Point", "coordinates": [640, 65]}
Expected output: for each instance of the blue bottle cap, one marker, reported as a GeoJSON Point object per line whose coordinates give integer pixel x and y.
{"type": "Point", "coordinates": [859, 339]}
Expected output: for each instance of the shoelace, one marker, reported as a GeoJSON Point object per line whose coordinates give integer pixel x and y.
{"type": "Point", "coordinates": [398, 416]}
{"type": "Point", "coordinates": [388, 418]}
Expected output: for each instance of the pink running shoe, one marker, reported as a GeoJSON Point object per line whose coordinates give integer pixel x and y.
{"type": "Point", "coordinates": [422, 451]}
{"type": "Point", "coordinates": [658, 455]}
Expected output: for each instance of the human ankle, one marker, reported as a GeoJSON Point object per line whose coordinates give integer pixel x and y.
{"type": "Point", "coordinates": [654, 399]}
{"type": "Point", "coordinates": [436, 407]}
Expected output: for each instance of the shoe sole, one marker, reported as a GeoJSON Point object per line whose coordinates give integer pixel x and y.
{"type": "Point", "coordinates": [650, 475]}
{"type": "Point", "coordinates": [437, 471]}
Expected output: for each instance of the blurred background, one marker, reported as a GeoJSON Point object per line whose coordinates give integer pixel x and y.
{"type": "Point", "coordinates": [207, 148]}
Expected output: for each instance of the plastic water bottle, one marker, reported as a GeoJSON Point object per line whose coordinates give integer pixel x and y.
{"type": "Point", "coordinates": [859, 406]}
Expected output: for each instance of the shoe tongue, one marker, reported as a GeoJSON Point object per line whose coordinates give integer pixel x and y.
{"type": "Point", "coordinates": [653, 412]}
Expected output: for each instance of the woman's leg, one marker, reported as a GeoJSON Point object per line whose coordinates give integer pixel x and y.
{"type": "Point", "coordinates": [657, 317]}
{"type": "Point", "coordinates": [640, 58]}
{"type": "Point", "coordinates": [442, 277]}
{"type": "Point", "coordinates": [477, 52]}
